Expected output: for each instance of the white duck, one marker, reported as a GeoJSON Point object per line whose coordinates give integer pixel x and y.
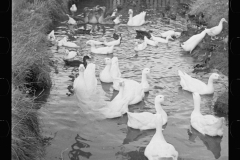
{"type": "Point", "coordinates": [117, 19]}
{"type": "Point", "coordinates": [94, 42]}
{"type": "Point", "coordinates": [150, 42]}
{"type": "Point", "coordinates": [137, 20]}
{"type": "Point", "coordinates": [190, 44]}
{"type": "Point", "coordinates": [140, 47]}
{"type": "Point", "coordinates": [115, 71]}
{"type": "Point", "coordinates": [205, 124]}
{"type": "Point", "coordinates": [70, 55]}
{"type": "Point", "coordinates": [133, 90]}
{"type": "Point", "coordinates": [71, 20]}
{"type": "Point", "coordinates": [216, 30]}
{"type": "Point", "coordinates": [73, 8]}
{"type": "Point", "coordinates": [144, 82]}
{"type": "Point", "coordinates": [69, 44]}
{"type": "Point", "coordinates": [105, 75]}
{"type": "Point", "coordinates": [101, 50]}
{"type": "Point", "coordinates": [158, 148]}
{"type": "Point", "coordinates": [194, 85]}
{"type": "Point", "coordinates": [113, 43]}
{"type": "Point", "coordinates": [51, 36]}
{"type": "Point", "coordinates": [145, 120]}
{"type": "Point", "coordinates": [170, 33]}
{"type": "Point", "coordinates": [79, 85]}
{"type": "Point", "coordinates": [118, 106]}
{"type": "Point", "coordinates": [161, 40]}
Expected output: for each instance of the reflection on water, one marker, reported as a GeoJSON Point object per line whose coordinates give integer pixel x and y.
{"type": "Point", "coordinates": [76, 153]}
{"type": "Point", "coordinates": [212, 143]}
{"type": "Point", "coordinates": [111, 139]}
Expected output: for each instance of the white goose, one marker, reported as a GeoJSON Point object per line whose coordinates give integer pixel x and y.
{"type": "Point", "coordinates": [137, 20]}
{"type": "Point", "coordinates": [73, 8]}
{"type": "Point", "coordinates": [94, 42]}
{"type": "Point", "coordinates": [133, 90]}
{"type": "Point", "coordinates": [150, 42]}
{"type": "Point", "coordinates": [113, 43]}
{"type": "Point", "coordinates": [158, 148]}
{"type": "Point", "coordinates": [216, 30]}
{"type": "Point", "coordinates": [117, 19]}
{"type": "Point", "coordinates": [118, 106]}
{"type": "Point", "coordinates": [51, 36]}
{"type": "Point", "coordinates": [71, 20]}
{"type": "Point", "coordinates": [170, 33]}
{"type": "Point", "coordinates": [144, 82]}
{"type": "Point", "coordinates": [194, 85]}
{"type": "Point", "coordinates": [105, 75]}
{"type": "Point", "coordinates": [161, 40]}
{"type": "Point", "coordinates": [205, 124]}
{"type": "Point", "coordinates": [145, 120]}
{"type": "Point", "coordinates": [79, 85]}
{"type": "Point", "coordinates": [115, 71]}
{"type": "Point", "coordinates": [140, 47]}
{"type": "Point", "coordinates": [101, 50]}
{"type": "Point", "coordinates": [90, 78]}
{"type": "Point", "coordinates": [192, 42]}
{"type": "Point", "coordinates": [68, 44]}
{"type": "Point", "coordinates": [70, 55]}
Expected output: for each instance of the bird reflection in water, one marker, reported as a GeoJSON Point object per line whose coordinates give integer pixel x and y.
{"type": "Point", "coordinates": [212, 143]}
{"type": "Point", "coordinates": [76, 153]}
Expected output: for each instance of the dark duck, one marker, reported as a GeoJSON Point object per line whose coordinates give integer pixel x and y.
{"type": "Point", "coordinates": [76, 63]}
{"type": "Point", "coordinates": [141, 34]}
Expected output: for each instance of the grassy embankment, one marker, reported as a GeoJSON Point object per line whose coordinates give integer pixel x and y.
{"type": "Point", "coordinates": [213, 11]}
{"type": "Point", "coordinates": [31, 21]}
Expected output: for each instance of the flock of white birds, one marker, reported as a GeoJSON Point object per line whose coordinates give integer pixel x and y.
{"type": "Point", "coordinates": [132, 92]}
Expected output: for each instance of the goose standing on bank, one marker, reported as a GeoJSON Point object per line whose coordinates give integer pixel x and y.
{"type": "Point", "coordinates": [205, 124]}
{"type": "Point", "coordinates": [194, 85]}
{"type": "Point", "coordinates": [137, 20]}
{"type": "Point", "coordinates": [216, 30]}
{"type": "Point", "coordinates": [158, 148]}
{"type": "Point", "coordinates": [145, 120]}
{"type": "Point", "coordinates": [190, 44]}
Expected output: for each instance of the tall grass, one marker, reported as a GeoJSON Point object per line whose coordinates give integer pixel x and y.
{"type": "Point", "coordinates": [213, 10]}
{"type": "Point", "coordinates": [32, 20]}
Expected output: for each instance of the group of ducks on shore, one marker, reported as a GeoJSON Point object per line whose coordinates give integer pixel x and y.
{"type": "Point", "coordinates": [132, 92]}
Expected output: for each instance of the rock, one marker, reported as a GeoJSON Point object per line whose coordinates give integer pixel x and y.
{"type": "Point", "coordinates": [221, 104]}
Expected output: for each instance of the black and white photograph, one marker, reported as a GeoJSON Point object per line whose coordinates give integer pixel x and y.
{"type": "Point", "coordinates": [120, 80]}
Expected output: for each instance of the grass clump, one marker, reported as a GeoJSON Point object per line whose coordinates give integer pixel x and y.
{"type": "Point", "coordinates": [32, 20]}
{"type": "Point", "coordinates": [26, 134]}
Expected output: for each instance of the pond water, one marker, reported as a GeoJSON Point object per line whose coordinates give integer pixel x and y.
{"type": "Point", "coordinates": [78, 137]}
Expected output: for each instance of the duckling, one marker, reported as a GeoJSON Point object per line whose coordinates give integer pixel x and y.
{"type": "Point", "coordinates": [76, 63]}
{"type": "Point", "coordinates": [214, 31]}
{"type": "Point", "coordinates": [141, 34]}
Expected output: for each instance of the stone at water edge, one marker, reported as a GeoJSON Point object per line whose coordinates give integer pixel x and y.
{"type": "Point", "coordinates": [221, 104]}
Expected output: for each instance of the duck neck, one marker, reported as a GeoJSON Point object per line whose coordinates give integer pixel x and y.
{"type": "Point", "coordinates": [130, 16]}
{"type": "Point", "coordinates": [196, 103]}
{"type": "Point", "coordinates": [144, 78]}
{"type": "Point", "coordinates": [159, 134]}
{"type": "Point", "coordinates": [121, 92]}
{"type": "Point", "coordinates": [158, 108]}
{"type": "Point", "coordinates": [210, 82]}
